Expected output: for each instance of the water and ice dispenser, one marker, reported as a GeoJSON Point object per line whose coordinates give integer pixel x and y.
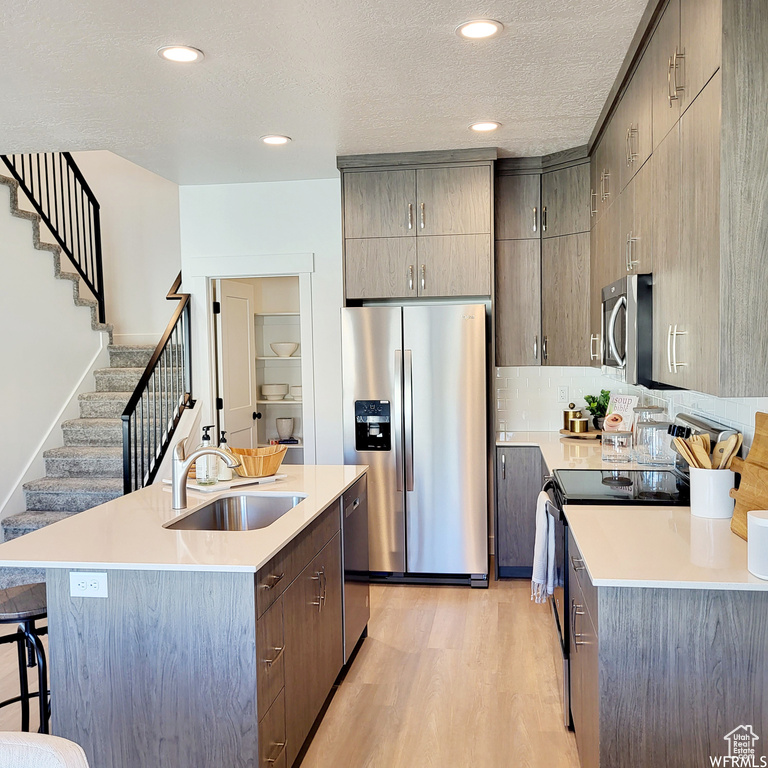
{"type": "Point", "coordinates": [372, 425]}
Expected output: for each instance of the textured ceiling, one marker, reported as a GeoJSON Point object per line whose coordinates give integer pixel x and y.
{"type": "Point", "coordinates": [338, 76]}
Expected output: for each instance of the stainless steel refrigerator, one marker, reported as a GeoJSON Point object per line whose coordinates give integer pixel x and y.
{"type": "Point", "coordinates": [414, 398]}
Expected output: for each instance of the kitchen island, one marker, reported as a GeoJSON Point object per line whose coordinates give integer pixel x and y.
{"type": "Point", "coordinates": [667, 629]}
{"type": "Point", "coordinates": [209, 648]}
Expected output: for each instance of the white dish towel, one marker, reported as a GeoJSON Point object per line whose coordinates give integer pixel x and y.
{"type": "Point", "coordinates": [543, 582]}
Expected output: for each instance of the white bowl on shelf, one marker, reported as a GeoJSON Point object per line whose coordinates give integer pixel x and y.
{"type": "Point", "coordinates": [274, 391]}
{"type": "Point", "coordinates": [296, 392]}
{"type": "Point", "coordinates": [284, 348]}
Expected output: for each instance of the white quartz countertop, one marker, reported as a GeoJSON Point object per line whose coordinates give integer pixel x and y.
{"type": "Point", "coordinates": [128, 533]}
{"type": "Point", "coordinates": [639, 545]}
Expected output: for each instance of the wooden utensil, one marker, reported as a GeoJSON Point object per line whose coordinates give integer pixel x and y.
{"type": "Point", "coordinates": [685, 451]}
{"type": "Point", "coordinates": [724, 452]}
{"type": "Point", "coordinates": [700, 454]}
{"type": "Point", "coordinates": [707, 444]}
{"type": "Point", "coordinates": [734, 454]}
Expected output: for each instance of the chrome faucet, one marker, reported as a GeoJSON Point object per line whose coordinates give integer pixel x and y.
{"type": "Point", "coordinates": [182, 463]}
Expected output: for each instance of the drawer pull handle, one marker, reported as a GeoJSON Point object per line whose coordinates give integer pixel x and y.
{"type": "Point", "coordinates": [580, 561]}
{"type": "Point", "coordinates": [272, 580]}
{"type": "Point", "coordinates": [277, 750]}
{"type": "Point", "coordinates": [278, 654]}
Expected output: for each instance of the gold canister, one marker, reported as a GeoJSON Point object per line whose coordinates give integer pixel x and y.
{"type": "Point", "coordinates": [580, 425]}
{"type": "Point", "coordinates": [571, 413]}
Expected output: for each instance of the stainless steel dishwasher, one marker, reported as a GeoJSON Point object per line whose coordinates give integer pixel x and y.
{"type": "Point", "coordinates": [354, 532]}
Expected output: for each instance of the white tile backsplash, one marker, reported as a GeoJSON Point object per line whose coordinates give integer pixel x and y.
{"type": "Point", "coordinates": [526, 399]}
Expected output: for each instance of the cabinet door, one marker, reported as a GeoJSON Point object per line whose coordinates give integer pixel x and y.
{"type": "Point", "coordinates": [518, 207]}
{"type": "Point", "coordinates": [565, 299]}
{"type": "Point", "coordinates": [518, 302]}
{"type": "Point", "coordinates": [640, 244]}
{"type": "Point", "coordinates": [638, 120]}
{"type": "Point", "coordinates": [313, 642]}
{"type": "Point", "coordinates": [565, 201]}
{"type": "Point", "coordinates": [665, 185]}
{"type": "Point", "coordinates": [595, 307]}
{"type": "Point", "coordinates": [379, 204]}
{"type": "Point", "coordinates": [380, 268]}
{"type": "Point", "coordinates": [454, 201]}
{"type": "Point", "coordinates": [701, 40]}
{"type": "Point", "coordinates": [665, 43]}
{"type": "Point", "coordinates": [458, 265]}
{"type": "Point", "coordinates": [519, 478]}
{"type": "Point", "coordinates": [594, 184]}
{"type": "Point", "coordinates": [697, 352]}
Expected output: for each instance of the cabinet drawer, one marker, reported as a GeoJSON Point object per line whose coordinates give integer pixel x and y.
{"type": "Point", "coordinates": [273, 578]}
{"type": "Point", "coordinates": [272, 736]}
{"type": "Point", "coordinates": [579, 568]}
{"type": "Point", "coordinates": [270, 644]}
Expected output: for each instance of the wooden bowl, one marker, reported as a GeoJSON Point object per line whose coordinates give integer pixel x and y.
{"type": "Point", "coordinates": [259, 462]}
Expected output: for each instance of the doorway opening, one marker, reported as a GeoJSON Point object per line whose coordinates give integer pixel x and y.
{"type": "Point", "coordinates": [263, 340]}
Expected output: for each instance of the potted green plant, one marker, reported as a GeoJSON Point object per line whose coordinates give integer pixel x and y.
{"type": "Point", "coordinates": [598, 406]}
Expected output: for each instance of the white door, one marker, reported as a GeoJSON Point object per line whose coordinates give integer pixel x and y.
{"type": "Point", "coordinates": [237, 367]}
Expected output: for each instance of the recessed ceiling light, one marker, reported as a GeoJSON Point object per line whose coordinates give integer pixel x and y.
{"type": "Point", "coordinates": [275, 139]}
{"type": "Point", "coordinates": [479, 28]}
{"type": "Point", "coordinates": [183, 54]}
{"type": "Point", "coordinates": [487, 125]}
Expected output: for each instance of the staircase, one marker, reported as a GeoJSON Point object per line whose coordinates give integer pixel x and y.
{"type": "Point", "coordinates": [88, 469]}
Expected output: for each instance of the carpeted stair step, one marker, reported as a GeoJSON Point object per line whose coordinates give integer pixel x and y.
{"type": "Point", "coordinates": [117, 379]}
{"type": "Point", "coordinates": [129, 356]}
{"type": "Point", "coordinates": [26, 522]}
{"type": "Point", "coordinates": [103, 405]}
{"type": "Point", "coordinates": [84, 461]}
{"type": "Point", "coordinates": [71, 494]}
{"type": "Point", "coordinates": [93, 432]}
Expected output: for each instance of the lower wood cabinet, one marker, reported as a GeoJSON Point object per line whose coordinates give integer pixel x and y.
{"type": "Point", "coordinates": [519, 478]}
{"type": "Point", "coordinates": [313, 642]}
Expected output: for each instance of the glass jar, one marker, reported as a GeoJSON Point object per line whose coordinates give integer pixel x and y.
{"type": "Point", "coordinates": [617, 447]}
{"type": "Point", "coordinates": [652, 441]}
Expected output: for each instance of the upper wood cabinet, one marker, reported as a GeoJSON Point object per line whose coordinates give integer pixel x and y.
{"type": "Point", "coordinates": [565, 300]}
{"type": "Point", "coordinates": [664, 66]}
{"type": "Point", "coordinates": [565, 201]}
{"type": "Point", "coordinates": [518, 302]}
{"type": "Point", "coordinates": [637, 128]}
{"type": "Point", "coordinates": [454, 201]}
{"type": "Point", "coordinates": [518, 207]}
{"type": "Point", "coordinates": [380, 204]}
{"type": "Point", "coordinates": [412, 232]}
{"type": "Point", "coordinates": [701, 29]}
{"type": "Point", "coordinates": [636, 215]}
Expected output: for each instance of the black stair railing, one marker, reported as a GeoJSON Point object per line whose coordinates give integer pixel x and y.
{"type": "Point", "coordinates": [62, 198]}
{"type": "Point", "coordinates": [164, 391]}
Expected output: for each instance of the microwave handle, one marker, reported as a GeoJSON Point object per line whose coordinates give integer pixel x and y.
{"type": "Point", "coordinates": [622, 302]}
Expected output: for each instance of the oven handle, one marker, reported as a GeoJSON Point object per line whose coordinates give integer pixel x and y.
{"type": "Point", "coordinates": [622, 361]}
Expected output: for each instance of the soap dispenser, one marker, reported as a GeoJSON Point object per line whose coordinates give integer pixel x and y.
{"type": "Point", "coordinates": [207, 467]}
{"type": "Point", "coordinates": [225, 472]}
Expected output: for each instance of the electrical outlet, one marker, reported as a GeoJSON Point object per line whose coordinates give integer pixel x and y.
{"type": "Point", "coordinates": [562, 394]}
{"type": "Point", "coordinates": [83, 584]}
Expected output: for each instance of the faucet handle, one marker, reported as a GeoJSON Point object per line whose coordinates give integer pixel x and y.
{"type": "Point", "coordinates": [179, 450]}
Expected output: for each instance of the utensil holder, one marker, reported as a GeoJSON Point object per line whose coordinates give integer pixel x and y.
{"type": "Point", "coordinates": [710, 493]}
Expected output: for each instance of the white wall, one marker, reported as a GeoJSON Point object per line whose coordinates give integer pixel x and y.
{"type": "Point", "coordinates": [140, 241]}
{"type": "Point", "coordinates": [47, 347]}
{"type": "Point", "coordinates": [242, 230]}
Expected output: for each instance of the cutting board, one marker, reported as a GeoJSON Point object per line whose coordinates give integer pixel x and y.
{"type": "Point", "coordinates": [593, 435]}
{"type": "Point", "coordinates": [752, 492]}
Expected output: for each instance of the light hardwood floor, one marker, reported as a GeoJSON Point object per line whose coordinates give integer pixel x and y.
{"type": "Point", "coordinates": [449, 677]}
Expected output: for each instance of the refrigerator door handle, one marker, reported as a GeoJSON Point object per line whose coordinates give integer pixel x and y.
{"type": "Point", "coordinates": [397, 418]}
{"type": "Point", "coordinates": [408, 419]}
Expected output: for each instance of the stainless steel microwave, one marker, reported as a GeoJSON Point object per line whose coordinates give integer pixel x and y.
{"type": "Point", "coordinates": [627, 329]}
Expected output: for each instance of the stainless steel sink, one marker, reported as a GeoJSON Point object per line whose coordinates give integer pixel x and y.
{"type": "Point", "coordinates": [238, 512]}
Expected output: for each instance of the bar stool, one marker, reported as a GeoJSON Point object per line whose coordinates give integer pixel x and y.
{"type": "Point", "coordinates": [24, 606]}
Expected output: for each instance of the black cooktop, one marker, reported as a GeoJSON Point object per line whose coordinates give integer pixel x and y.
{"type": "Point", "coordinates": [662, 487]}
